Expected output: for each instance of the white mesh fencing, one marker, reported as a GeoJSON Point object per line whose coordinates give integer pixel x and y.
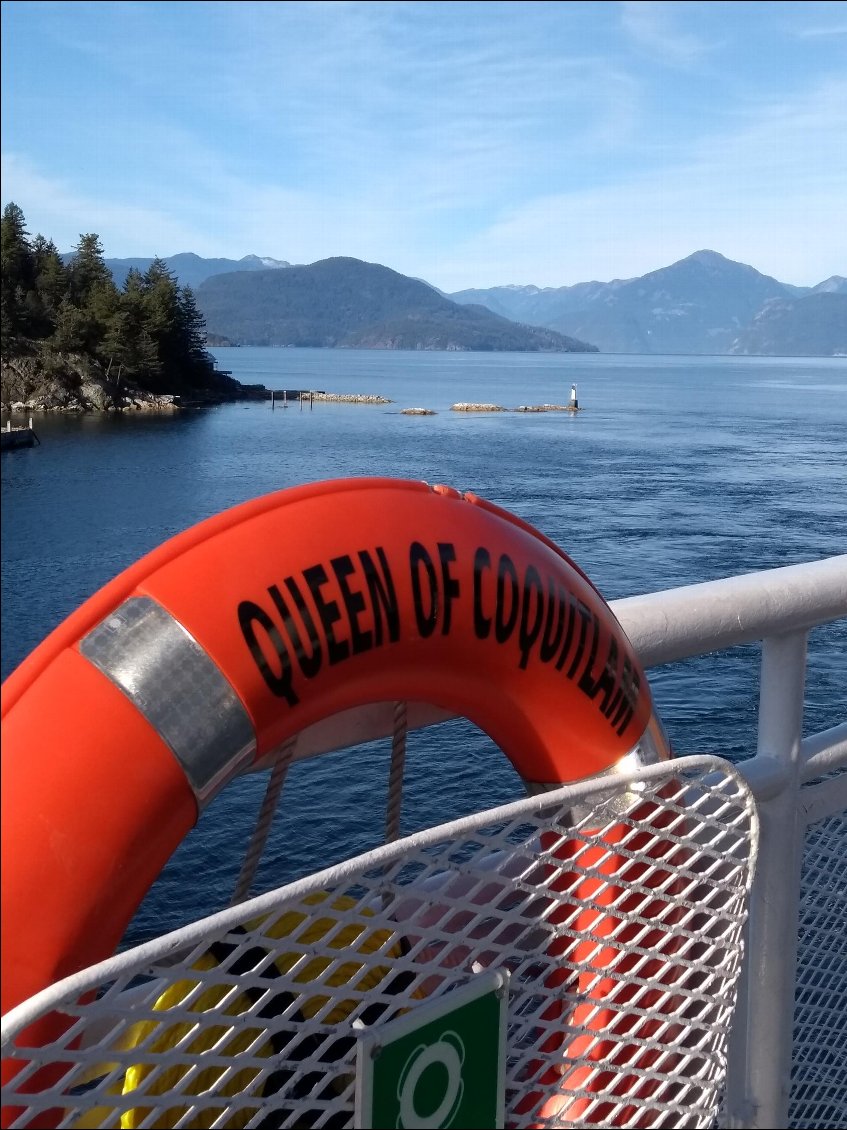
{"type": "Point", "coordinates": [819, 1062]}
{"type": "Point", "coordinates": [616, 906]}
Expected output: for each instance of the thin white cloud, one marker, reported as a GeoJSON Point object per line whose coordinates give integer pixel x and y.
{"type": "Point", "coordinates": [56, 210]}
{"type": "Point", "coordinates": [515, 148]}
{"type": "Point", "coordinates": [822, 31]}
{"type": "Point", "coordinates": [815, 19]}
{"type": "Point", "coordinates": [391, 121]}
{"type": "Point", "coordinates": [386, 94]}
{"type": "Point", "coordinates": [654, 25]}
{"type": "Point", "coordinates": [770, 194]}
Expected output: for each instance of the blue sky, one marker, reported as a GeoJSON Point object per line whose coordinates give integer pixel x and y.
{"type": "Point", "coordinates": [469, 144]}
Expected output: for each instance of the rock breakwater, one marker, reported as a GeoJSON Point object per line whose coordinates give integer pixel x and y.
{"type": "Point", "coordinates": [521, 408]}
{"type": "Point", "coordinates": [546, 408]}
{"type": "Point", "coordinates": [345, 398]}
{"type": "Point", "coordinates": [462, 407]}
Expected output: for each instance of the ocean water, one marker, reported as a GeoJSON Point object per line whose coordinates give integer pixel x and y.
{"type": "Point", "coordinates": [679, 470]}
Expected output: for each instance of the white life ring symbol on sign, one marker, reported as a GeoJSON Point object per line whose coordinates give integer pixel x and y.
{"type": "Point", "coordinates": [449, 1053]}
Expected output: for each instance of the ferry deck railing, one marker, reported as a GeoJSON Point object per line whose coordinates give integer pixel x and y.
{"type": "Point", "coordinates": [800, 785]}
{"type": "Point", "coordinates": [789, 1053]}
{"type": "Point", "coordinates": [788, 1057]}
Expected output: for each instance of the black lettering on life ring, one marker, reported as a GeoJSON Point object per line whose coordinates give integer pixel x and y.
{"type": "Point", "coordinates": [557, 602]}
{"type": "Point", "coordinates": [354, 604]}
{"type": "Point", "coordinates": [313, 622]}
{"type": "Point", "coordinates": [426, 614]}
{"type": "Point", "coordinates": [316, 578]}
{"type": "Point", "coordinates": [507, 582]}
{"type": "Point", "coordinates": [606, 681]}
{"type": "Point", "coordinates": [586, 683]}
{"type": "Point", "coordinates": [279, 683]}
{"type": "Point", "coordinates": [481, 622]}
{"type": "Point", "coordinates": [382, 595]}
{"type": "Point", "coordinates": [570, 603]}
{"type": "Point", "coordinates": [309, 662]}
{"type": "Point", "coordinates": [532, 613]}
{"type": "Point", "coordinates": [585, 619]}
{"type": "Point", "coordinates": [449, 585]}
{"type": "Point", "coordinates": [552, 623]}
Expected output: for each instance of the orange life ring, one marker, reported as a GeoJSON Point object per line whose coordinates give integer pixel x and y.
{"type": "Point", "coordinates": [235, 635]}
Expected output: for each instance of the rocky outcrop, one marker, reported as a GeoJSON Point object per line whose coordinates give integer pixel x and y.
{"type": "Point", "coordinates": [74, 383]}
{"type": "Point", "coordinates": [520, 408]}
{"type": "Point", "coordinates": [344, 397]}
{"type": "Point", "coordinates": [546, 408]}
{"type": "Point", "coordinates": [462, 407]}
{"type": "Point", "coordinates": [71, 383]}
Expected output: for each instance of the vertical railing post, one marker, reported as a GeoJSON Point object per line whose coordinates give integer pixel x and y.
{"type": "Point", "coordinates": [768, 1011]}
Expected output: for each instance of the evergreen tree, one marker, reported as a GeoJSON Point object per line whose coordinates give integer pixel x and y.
{"type": "Point", "coordinates": [162, 314]}
{"type": "Point", "coordinates": [196, 358]}
{"type": "Point", "coordinates": [128, 343]}
{"type": "Point", "coordinates": [16, 277]}
{"type": "Point", "coordinates": [93, 292]}
{"type": "Point", "coordinates": [51, 285]}
{"type": "Point", "coordinates": [71, 332]}
{"type": "Point", "coordinates": [88, 270]}
{"type": "Point", "coordinates": [151, 333]}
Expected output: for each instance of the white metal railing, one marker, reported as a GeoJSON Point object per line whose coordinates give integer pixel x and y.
{"type": "Point", "coordinates": [610, 912]}
{"type": "Point", "coordinates": [779, 608]}
{"type": "Point", "coordinates": [802, 830]}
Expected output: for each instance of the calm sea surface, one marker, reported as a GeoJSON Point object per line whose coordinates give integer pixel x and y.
{"type": "Point", "coordinates": [680, 469]}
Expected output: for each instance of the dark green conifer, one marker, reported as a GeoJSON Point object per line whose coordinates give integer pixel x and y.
{"type": "Point", "coordinates": [151, 333]}
{"type": "Point", "coordinates": [16, 279]}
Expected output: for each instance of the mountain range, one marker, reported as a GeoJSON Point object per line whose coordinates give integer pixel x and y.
{"type": "Point", "coordinates": [191, 269]}
{"type": "Point", "coordinates": [345, 302]}
{"type": "Point", "coordinates": [704, 303]}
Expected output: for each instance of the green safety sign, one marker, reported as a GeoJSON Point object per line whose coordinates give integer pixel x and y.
{"type": "Point", "coordinates": [441, 1064]}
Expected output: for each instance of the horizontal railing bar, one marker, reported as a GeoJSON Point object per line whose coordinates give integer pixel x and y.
{"type": "Point", "coordinates": [821, 753]}
{"type": "Point", "coordinates": [826, 798]}
{"type": "Point", "coordinates": [696, 619]}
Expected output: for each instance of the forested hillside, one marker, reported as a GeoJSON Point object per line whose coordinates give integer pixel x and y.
{"type": "Point", "coordinates": [344, 302]}
{"type": "Point", "coordinates": [70, 323]}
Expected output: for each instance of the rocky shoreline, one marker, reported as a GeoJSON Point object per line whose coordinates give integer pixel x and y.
{"type": "Point", "coordinates": [74, 383]}
{"type": "Point", "coordinates": [78, 384]}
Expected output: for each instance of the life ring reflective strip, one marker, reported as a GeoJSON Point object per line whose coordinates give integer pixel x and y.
{"type": "Point", "coordinates": [293, 607]}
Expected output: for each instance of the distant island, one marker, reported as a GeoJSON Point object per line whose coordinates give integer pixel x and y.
{"type": "Point", "coordinates": [71, 340]}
